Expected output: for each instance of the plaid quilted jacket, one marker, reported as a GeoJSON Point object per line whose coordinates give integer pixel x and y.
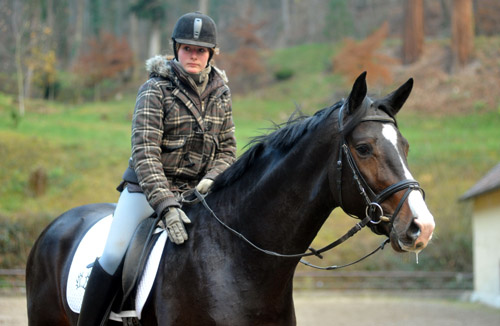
{"type": "Point", "coordinates": [178, 136]}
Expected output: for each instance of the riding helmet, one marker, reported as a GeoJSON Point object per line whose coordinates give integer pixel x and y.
{"type": "Point", "coordinates": [195, 28]}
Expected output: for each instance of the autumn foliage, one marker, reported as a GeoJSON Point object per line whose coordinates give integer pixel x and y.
{"type": "Point", "coordinates": [356, 57]}
{"type": "Point", "coordinates": [487, 14]}
{"type": "Point", "coordinates": [244, 65]}
{"type": "Point", "coordinates": [105, 57]}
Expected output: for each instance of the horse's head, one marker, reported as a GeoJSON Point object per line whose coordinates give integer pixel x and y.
{"type": "Point", "coordinates": [373, 158]}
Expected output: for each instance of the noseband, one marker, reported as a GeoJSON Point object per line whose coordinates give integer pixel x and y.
{"type": "Point", "coordinates": [373, 211]}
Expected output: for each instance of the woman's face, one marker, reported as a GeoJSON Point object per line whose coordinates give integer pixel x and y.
{"type": "Point", "coordinates": [193, 58]}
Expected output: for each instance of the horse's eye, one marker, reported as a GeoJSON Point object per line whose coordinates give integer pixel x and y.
{"type": "Point", "coordinates": [364, 149]}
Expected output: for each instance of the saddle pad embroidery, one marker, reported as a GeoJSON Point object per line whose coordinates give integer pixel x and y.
{"type": "Point", "coordinates": [92, 246]}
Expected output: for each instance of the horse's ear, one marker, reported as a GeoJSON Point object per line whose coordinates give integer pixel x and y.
{"type": "Point", "coordinates": [394, 101]}
{"type": "Point", "coordinates": [358, 93]}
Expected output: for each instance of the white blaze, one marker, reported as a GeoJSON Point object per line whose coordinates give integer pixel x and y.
{"type": "Point", "coordinates": [424, 218]}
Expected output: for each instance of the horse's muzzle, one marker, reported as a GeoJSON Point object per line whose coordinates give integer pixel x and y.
{"type": "Point", "coordinates": [415, 237]}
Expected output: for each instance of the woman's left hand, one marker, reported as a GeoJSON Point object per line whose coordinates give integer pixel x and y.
{"type": "Point", "coordinates": [204, 186]}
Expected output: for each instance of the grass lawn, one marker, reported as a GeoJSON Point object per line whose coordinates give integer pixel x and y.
{"type": "Point", "coordinates": [83, 151]}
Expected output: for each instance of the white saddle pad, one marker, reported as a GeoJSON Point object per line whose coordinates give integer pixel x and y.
{"type": "Point", "coordinates": [92, 246]}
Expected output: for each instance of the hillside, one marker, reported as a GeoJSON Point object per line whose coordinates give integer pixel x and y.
{"type": "Point", "coordinates": [60, 156]}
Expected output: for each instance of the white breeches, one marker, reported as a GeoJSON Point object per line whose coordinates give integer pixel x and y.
{"type": "Point", "coordinates": [131, 209]}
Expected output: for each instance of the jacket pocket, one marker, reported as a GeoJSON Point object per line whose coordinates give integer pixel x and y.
{"type": "Point", "coordinates": [173, 142]}
{"type": "Point", "coordinates": [172, 153]}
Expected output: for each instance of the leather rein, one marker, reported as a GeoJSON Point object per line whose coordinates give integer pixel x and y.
{"type": "Point", "coordinates": [373, 211]}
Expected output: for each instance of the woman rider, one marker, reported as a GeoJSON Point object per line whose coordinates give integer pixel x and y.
{"type": "Point", "coordinates": [182, 137]}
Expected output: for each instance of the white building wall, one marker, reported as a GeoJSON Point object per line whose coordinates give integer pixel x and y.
{"type": "Point", "coordinates": [486, 244]}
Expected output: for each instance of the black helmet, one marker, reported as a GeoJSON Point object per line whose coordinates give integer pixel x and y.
{"type": "Point", "coordinates": [195, 28]}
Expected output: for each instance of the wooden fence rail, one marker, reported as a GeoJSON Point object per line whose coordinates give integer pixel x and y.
{"type": "Point", "coordinates": [343, 280]}
{"type": "Point", "coordinates": [383, 280]}
{"type": "Point", "coordinates": [12, 278]}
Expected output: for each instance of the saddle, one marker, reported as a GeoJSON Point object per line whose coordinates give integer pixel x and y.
{"type": "Point", "coordinates": [134, 265]}
{"type": "Point", "coordinates": [140, 247]}
{"type": "Point", "coordinates": [139, 267]}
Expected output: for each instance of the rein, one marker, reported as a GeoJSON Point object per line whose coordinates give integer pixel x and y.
{"type": "Point", "coordinates": [374, 212]}
{"type": "Point", "coordinates": [313, 252]}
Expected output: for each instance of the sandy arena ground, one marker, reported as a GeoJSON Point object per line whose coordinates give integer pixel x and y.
{"type": "Point", "coordinates": [334, 308]}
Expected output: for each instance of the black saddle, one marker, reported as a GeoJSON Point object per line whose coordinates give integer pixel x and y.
{"type": "Point", "coordinates": [134, 262]}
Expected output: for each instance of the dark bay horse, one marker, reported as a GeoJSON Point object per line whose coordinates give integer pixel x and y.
{"type": "Point", "coordinates": [278, 195]}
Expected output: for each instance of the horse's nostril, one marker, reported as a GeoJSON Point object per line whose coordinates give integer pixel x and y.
{"type": "Point", "coordinates": [413, 231]}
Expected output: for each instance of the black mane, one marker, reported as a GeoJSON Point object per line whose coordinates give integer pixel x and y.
{"type": "Point", "coordinates": [281, 139]}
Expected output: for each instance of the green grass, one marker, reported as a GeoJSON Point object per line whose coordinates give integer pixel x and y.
{"type": "Point", "coordinates": [84, 150]}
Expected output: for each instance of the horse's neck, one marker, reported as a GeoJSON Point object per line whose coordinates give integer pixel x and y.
{"type": "Point", "coordinates": [284, 206]}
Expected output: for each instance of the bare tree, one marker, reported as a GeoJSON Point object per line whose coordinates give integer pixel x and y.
{"type": "Point", "coordinates": [462, 33]}
{"type": "Point", "coordinates": [285, 17]}
{"type": "Point", "coordinates": [203, 6]}
{"type": "Point", "coordinates": [155, 12]}
{"type": "Point", "coordinates": [155, 38]}
{"type": "Point", "coordinates": [19, 28]}
{"type": "Point", "coordinates": [413, 31]}
{"type": "Point", "coordinates": [78, 36]}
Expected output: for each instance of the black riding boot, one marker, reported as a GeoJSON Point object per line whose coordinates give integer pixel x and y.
{"type": "Point", "coordinates": [99, 292]}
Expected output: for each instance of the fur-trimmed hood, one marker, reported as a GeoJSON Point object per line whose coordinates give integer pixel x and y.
{"type": "Point", "coordinates": [160, 65]}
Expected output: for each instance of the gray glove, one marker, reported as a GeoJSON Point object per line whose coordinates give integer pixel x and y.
{"type": "Point", "coordinates": [204, 186]}
{"type": "Point", "coordinates": [174, 221]}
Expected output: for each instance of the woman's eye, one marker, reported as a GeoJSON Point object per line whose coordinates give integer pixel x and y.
{"type": "Point", "coordinates": [201, 50]}
{"type": "Point", "coordinates": [364, 149]}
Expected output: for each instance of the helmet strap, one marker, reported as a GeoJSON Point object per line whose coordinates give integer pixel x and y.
{"type": "Point", "coordinates": [174, 45]}
{"type": "Point", "coordinates": [211, 51]}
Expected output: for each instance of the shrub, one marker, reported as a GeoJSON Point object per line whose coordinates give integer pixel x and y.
{"type": "Point", "coordinates": [283, 74]}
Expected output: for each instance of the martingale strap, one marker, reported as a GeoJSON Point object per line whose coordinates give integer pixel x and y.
{"type": "Point", "coordinates": [333, 267]}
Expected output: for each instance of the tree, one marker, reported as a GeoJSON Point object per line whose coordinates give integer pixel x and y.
{"type": "Point", "coordinates": [24, 21]}
{"type": "Point", "coordinates": [106, 57]}
{"type": "Point", "coordinates": [462, 33]}
{"type": "Point", "coordinates": [285, 17]}
{"type": "Point", "coordinates": [413, 31]}
{"type": "Point", "coordinates": [18, 29]}
{"type": "Point", "coordinates": [155, 12]}
{"type": "Point", "coordinates": [245, 65]}
{"type": "Point", "coordinates": [203, 6]}
{"type": "Point", "coordinates": [356, 57]}
{"type": "Point", "coordinates": [487, 13]}
{"type": "Point", "coordinates": [78, 35]}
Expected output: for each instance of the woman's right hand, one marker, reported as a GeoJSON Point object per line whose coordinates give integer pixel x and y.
{"type": "Point", "coordinates": [175, 219]}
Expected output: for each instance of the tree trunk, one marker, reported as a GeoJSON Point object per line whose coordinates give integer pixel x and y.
{"type": "Point", "coordinates": [135, 45]}
{"type": "Point", "coordinates": [155, 40]}
{"type": "Point", "coordinates": [78, 37]}
{"type": "Point", "coordinates": [285, 17]}
{"type": "Point", "coordinates": [462, 33]}
{"type": "Point", "coordinates": [203, 6]}
{"type": "Point", "coordinates": [19, 74]}
{"type": "Point", "coordinates": [413, 31]}
{"type": "Point", "coordinates": [17, 20]}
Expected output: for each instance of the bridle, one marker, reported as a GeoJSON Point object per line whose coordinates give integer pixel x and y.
{"type": "Point", "coordinates": [373, 211]}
